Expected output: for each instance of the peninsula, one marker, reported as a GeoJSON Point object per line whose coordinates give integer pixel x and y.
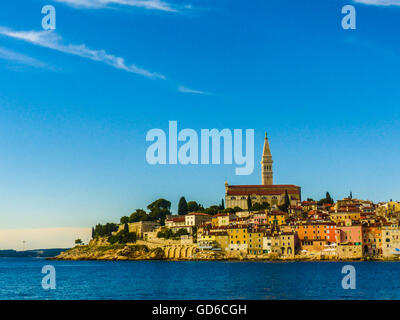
{"type": "Point", "coordinates": [259, 222]}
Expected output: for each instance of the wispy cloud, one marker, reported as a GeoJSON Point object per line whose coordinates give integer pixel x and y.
{"type": "Point", "coordinates": [380, 2]}
{"type": "Point", "coordinates": [99, 4]}
{"type": "Point", "coordinates": [184, 89]}
{"type": "Point", "coordinates": [10, 55]}
{"type": "Point", "coordinates": [52, 40]}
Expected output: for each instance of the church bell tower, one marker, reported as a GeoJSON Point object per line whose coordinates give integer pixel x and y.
{"type": "Point", "coordinates": [266, 164]}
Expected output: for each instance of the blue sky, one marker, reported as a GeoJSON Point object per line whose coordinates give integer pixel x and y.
{"type": "Point", "coordinates": [76, 103]}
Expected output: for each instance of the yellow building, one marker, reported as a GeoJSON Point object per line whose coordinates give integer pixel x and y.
{"type": "Point", "coordinates": [213, 241]}
{"type": "Point", "coordinates": [343, 216]}
{"type": "Point", "coordinates": [222, 240]}
{"type": "Point", "coordinates": [255, 245]}
{"type": "Point", "coordinates": [205, 241]}
{"type": "Point", "coordinates": [277, 218]}
{"type": "Point", "coordinates": [390, 207]}
{"type": "Point", "coordinates": [238, 238]}
{"type": "Point", "coordinates": [222, 219]}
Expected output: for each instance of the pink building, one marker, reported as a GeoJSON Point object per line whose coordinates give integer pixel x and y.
{"type": "Point", "coordinates": [259, 218]}
{"type": "Point", "coordinates": [350, 234]}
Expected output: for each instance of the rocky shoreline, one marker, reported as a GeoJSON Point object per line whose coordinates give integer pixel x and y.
{"type": "Point", "coordinates": [137, 252]}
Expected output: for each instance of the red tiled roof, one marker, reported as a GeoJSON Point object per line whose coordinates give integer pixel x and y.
{"type": "Point", "coordinates": [276, 189]}
{"type": "Point", "coordinates": [197, 214]}
{"type": "Point", "coordinates": [221, 215]}
{"type": "Point", "coordinates": [277, 212]}
{"type": "Point", "coordinates": [178, 219]}
{"type": "Point", "coordinates": [309, 202]}
{"type": "Point", "coordinates": [264, 186]}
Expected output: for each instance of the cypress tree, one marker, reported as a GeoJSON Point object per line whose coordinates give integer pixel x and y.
{"type": "Point", "coordinates": [329, 198]}
{"type": "Point", "coordinates": [286, 205]}
{"type": "Point", "coordinates": [249, 205]}
{"type": "Point", "coordinates": [126, 228]}
{"type": "Point", "coordinates": [182, 206]}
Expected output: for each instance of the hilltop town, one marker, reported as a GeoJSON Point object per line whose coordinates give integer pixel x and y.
{"type": "Point", "coordinates": [267, 221]}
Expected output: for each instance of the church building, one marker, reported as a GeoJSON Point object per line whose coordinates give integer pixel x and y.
{"type": "Point", "coordinates": [274, 194]}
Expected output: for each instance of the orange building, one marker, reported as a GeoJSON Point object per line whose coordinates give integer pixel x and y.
{"type": "Point", "coordinates": [318, 231]}
{"type": "Point", "coordinates": [372, 239]}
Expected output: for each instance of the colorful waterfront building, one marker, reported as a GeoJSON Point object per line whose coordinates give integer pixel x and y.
{"type": "Point", "coordinates": [372, 239]}
{"type": "Point", "coordinates": [255, 245]}
{"type": "Point", "coordinates": [350, 234]}
{"type": "Point", "coordinates": [222, 219]}
{"type": "Point", "coordinates": [276, 218]}
{"type": "Point", "coordinates": [287, 242]}
{"type": "Point", "coordinates": [194, 219]}
{"type": "Point", "coordinates": [238, 238]}
{"type": "Point", "coordinates": [318, 231]}
{"type": "Point", "coordinates": [259, 218]}
{"type": "Point", "coordinates": [390, 240]}
{"type": "Point", "coordinates": [346, 213]}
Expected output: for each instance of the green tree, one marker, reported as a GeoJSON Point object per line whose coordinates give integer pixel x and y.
{"type": "Point", "coordinates": [260, 206]}
{"type": "Point", "coordinates": [249, 204]}
{"type": "Point", "coordinates": [182, 206]}
{"type": "Point", "coordinates": [329, 198]}
{"type": "Point", "coordinates": [193, 206]}
{"type": "Point", "coordinates": [139, 215]}
{"type": "Point", "coordinates": [159, 209]}
{"type": "Point", "coordinates": [124, 219]}
{"type": "Point", "coordinates": [130, 237]}
{"type": "Point", "coordinates": [113, 239]}
{"type": "Point", "coordinates": [180, 232]}
{"type": "Point", "coordinates": [78, 241]}
{"type": "Point", "coordinates": [286, 204]}
{"type": "Point", "coordinates": [165, 233]}
{"type": "Point", "coordinates": [222, 204]}
{"type": "Point", "coordinates": [126, 228]}
{"type": "Point", "coordinates": [212, 210]}
{"type": "Point", "coordinates": [93, 234]}
{"type": "Point", "coordinates": [105, 230]}
{"type": "Point", "coordinates": [122, 237]}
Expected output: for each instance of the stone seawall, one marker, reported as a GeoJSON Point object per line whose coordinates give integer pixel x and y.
{"type": "Point", "coordinates": [172, 252]}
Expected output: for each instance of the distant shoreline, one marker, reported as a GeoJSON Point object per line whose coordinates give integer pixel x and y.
{"type": "Point", "coordinates": [36, 253]}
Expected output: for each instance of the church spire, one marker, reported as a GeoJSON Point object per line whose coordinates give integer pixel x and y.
{"type": "Point", "coordinates": [266, 164]}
